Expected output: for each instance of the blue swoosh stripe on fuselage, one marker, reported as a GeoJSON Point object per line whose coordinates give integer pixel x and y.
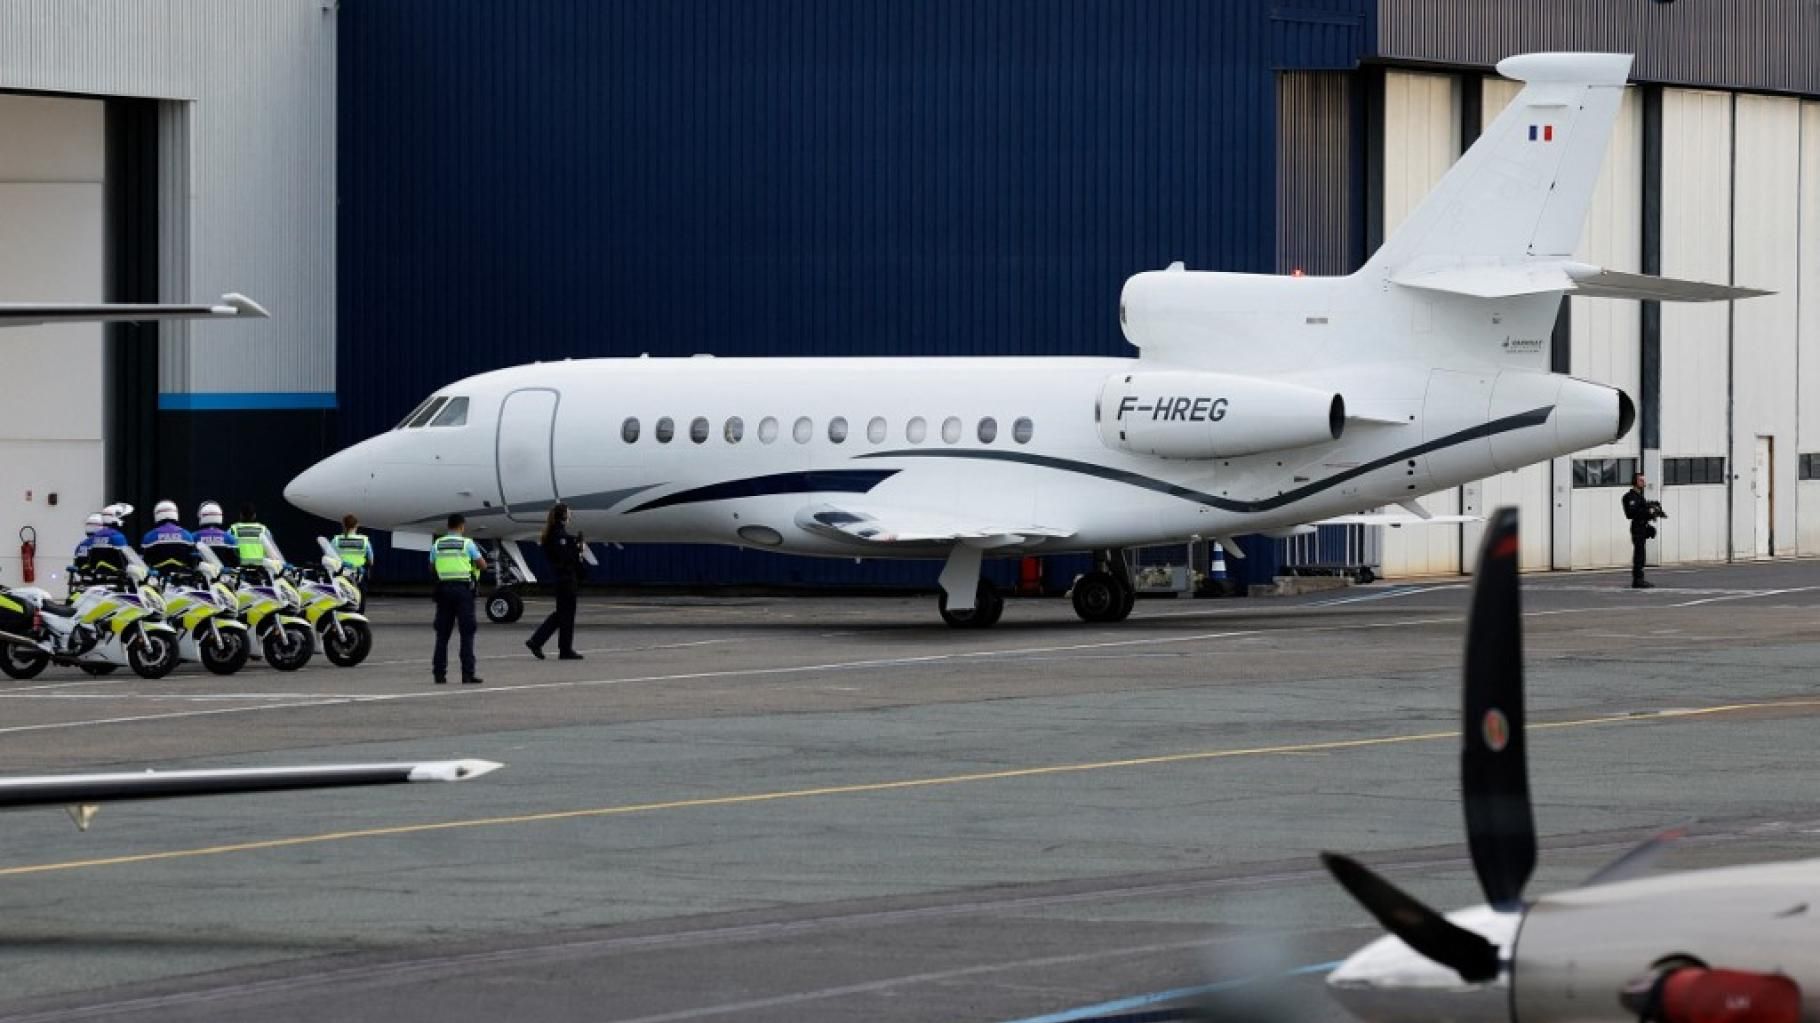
{"type": "Point", "coordinates": [846, 481]}
{"type": "Point", "coordinates": [1520, 421]}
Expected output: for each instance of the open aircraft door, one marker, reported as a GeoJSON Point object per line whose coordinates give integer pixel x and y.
{"type": "Point", "coordinates": [527, 472]}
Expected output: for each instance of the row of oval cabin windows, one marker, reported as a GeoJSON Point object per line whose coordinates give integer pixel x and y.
{"type": "Point", "coordinates": [916, 431]}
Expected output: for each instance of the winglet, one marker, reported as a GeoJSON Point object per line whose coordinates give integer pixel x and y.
{"type": "Point", "coordinates": [235, 304]}
{"type": "Point", "coordinates": [453, 770]}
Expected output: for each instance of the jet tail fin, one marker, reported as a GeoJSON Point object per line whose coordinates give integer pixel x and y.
{"type": "Point", "coordinates": [1521, 191]}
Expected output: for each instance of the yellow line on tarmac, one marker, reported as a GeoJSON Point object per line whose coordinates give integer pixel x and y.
{"type": "Point", "coordinates": [882, 786]}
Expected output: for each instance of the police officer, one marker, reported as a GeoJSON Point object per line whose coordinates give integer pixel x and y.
{"type": "Point", "coordinates": [356, 553]}
{"type": "Point", "coordinates": [251, 539]}
{"type": "Point", "coordinates": [1640, 511]}
{"type": "Point", "coordinates": [458, 564]}
{"type": "Point", "coordinates": [169, 546]}
{"type": "Point", "coordinates": [90, 527]}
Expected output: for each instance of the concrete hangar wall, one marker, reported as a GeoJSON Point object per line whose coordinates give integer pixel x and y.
{"type": "Point", "coordinates": [762, 177]}
{"type": "Point", "coordinates": [1714, 174]}
{"type": "Point", "coordinates": [162, 150]}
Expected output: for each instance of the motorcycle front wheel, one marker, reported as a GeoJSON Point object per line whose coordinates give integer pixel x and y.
{"type": "Point", "coordinates": [22, 662]}
{"type": "Point", "coordinates": [349, 648]}
{"type": "Point", "coordinates": [153, 656]}
{"type": "Point", "coordinates": [228, 655]}
{"type": "Point", "coordinates": [289, 647]}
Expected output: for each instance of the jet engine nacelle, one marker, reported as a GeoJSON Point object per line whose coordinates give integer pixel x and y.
{"type": "Point", "coordinates": [1185, 414]}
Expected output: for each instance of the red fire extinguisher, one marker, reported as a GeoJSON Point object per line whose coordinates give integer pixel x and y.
{"type": "Point", "coordinates": [28, 552]}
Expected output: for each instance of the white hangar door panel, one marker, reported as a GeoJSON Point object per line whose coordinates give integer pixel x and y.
{"type": "Point", "coordinates": [527, 472]}
{"type": "Point", "coordinates": [51, 224]}
{"type": "Point", "coordinates": [1696, 244]}
{"type": "Point", "coordinates": [1591, 531]}
{"type": "Point", "coordinates": [1421, 141]}
{"type": "Point", "coordinates": [1807, 497]}
{"type": "Point", "coordinates": [1766, 239]}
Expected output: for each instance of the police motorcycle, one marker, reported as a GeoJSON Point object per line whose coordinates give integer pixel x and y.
{"type": "Point", "coordinates": [117, 620]}
{"type": "Point", "coordinates": [202, 607]}
{"type": "Point", "coordinates": [271, 607]}
{"type": "Point", "coordinates": [331, 605]}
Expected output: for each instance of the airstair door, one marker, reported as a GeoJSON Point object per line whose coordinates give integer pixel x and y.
{"type": "Point", "coordinates": [527, 473]}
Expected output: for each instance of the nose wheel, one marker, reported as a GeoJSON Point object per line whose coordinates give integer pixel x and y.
{"type": "Point", "coordinates": [505, 606]}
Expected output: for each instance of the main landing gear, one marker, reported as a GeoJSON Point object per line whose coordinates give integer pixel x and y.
{"type": "Point", "coordinates": [1105, 594]}
{"type": "Point", "coordinates": [969, 602]}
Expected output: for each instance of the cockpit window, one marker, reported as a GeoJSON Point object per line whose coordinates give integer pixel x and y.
{"type": "Point", "coordinates": [406, 421]}
{"type": "Point", "coordinates": [427, 412]}
{"type": "Point", "coordinates": [455, 413]}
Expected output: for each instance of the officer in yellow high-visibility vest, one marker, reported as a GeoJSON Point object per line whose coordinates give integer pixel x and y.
{"type": "Point", "coordinates": [458, 564]}
{"type": "Point", "coordinates": [254, 542]}
{"type": "Point", "coordinates": [356, 553]}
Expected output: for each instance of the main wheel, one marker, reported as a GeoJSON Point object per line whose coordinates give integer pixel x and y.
{"type": "Point", "coordinates": [97, 669]}
{"type": "Point", "coordinates": [228, 655]}
{"type": "Point", "coordinates": [349, 648]}
{"type": "Point", "coordinates": [505, 606]}
{"type": "Point", "coordinates": [154, 655]}
{"type": "Point", "coordinates": [290, 647]}
{"type": "Point", "coordinates": [22, 662]}
{"type": "Point", "coordinates": [987, 607]}
{"type": "Point", "coordinates": [1099, 597]}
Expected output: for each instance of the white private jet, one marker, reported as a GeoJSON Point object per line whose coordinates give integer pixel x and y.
{"type": "Point", "coordinates": [1256, 404]}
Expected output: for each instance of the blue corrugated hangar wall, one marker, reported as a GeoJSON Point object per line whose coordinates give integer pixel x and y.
{"type": "Point", "coordinates": [790, 177]}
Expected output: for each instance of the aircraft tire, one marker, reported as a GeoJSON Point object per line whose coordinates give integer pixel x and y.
{"type": "Point", "coordinates": [1099, 597]}
{"type": "Point", "coordinates": [987, 607]}
{"type": "Point", "coordinates": [505, 606]}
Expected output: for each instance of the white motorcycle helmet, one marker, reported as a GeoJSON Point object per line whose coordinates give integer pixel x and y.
{"type": "Point", "coordinates": [111, 515]}
{"type": "Point", "coordinates": [209, 514]}
{"type": "Point", "coordinates": [92, 524]}
{"type": "Point", "coordinates": [164, 511]}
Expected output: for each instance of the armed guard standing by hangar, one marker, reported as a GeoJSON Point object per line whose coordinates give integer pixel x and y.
{"type": "Point", "coordinates": [458, 565]}
{"type": "Point", "coordinates": [1641, 511]}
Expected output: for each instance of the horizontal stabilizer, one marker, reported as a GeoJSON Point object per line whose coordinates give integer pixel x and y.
{"type": "Point", "coordinates": [1512, 280]}
{"type": "Point", "coordinates": [23, 314]}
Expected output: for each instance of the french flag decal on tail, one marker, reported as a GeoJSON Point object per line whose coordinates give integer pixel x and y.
{"type": "Point", "coordinates": [1542, 133]}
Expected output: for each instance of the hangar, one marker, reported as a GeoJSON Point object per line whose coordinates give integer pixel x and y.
{"type": "Point", "coordinates": [421, 191]}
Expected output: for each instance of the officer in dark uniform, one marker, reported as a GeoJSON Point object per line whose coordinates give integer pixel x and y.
{"type": "Point", "coordinates": [1641, 511]}
{"type": "Point", "coordinates": [458, 565]}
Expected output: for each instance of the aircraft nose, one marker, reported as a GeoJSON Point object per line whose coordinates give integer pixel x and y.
{"type": "Point", "coordinates": [330, 488]}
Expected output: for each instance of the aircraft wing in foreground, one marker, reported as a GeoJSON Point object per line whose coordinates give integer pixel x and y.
{"type": "Point", "coordinates": [25, 314]}
{"type": "Point", "coordinates": [83, 793]}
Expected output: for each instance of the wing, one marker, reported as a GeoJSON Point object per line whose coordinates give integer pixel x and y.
{"type": "Point", "coordinates": [90, 789]}
{"type": "Point", "coordinates": [24, 314]}
{"type": "Point", "coordinates": [866, 525]}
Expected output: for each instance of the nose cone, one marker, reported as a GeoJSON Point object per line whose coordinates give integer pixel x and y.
{"type": "Point", "coordinates": [331, 488]}
{"type": "Point", "coordinates": [1388, 982]}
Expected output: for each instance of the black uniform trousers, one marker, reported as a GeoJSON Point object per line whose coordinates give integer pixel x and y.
{"type": "Point", "coordinates": [561, 621]}
{"type": "Point", "coordinates": [454, 606]}
{"type": "Point", "coordinates": [1639, 541]}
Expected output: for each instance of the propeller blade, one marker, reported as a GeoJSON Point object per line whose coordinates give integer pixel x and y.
{"type": "Point", "coordinates": [1494, 765]}
{"type": "Point", "coordinates": [1470, 955]}
{"type": "Point", "coordinates": [1637, 861]}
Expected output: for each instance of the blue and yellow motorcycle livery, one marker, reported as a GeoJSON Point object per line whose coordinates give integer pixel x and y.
{"type": "Point", "coordinates": [271, 607]}
{"type": "Point", "coordinates": [206, 613]}
{"type": "Point", "coordinates": [105, 627]}
{"type": "Point", "coordinates": [331, 604]}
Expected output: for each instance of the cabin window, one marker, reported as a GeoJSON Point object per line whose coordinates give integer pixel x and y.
{"type": "Point", "coordinates": [455, 413]}
{"type": "Point", "coordinates": [875, 429]}
{"type": "Point", "coordinates": [666, 428]}
{"type": "Point", "coordinates": [917, 430]}
{"type": "Point", "coordinates": [951, 430]}
{"type": "Point", "coordinates": [1022, 429]}
{"type": "Point", "coordinates": [428, 412]}
{"type": "Point", "coordinates": [698, 429]}
{"type": "Point", "coordinates": [767, 429]}
{"type": "Point", "coordinates": [988, 430]}
{"type": "Point", "coordinates": [837, 430]}
{"type": "Point", "coordinates": [628, 430]}
{"type": "Point", "coordinates": [735, 430]}
{"type": "Point", "coordinates": [803, 430]}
